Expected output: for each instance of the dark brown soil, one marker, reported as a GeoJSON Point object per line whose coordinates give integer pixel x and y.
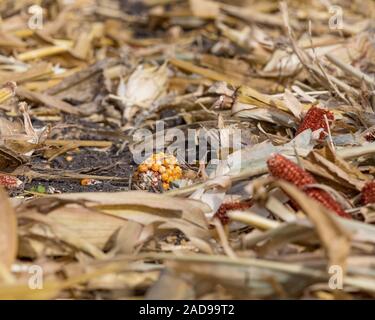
{"type": "Point", "coordinates": [107, 162]}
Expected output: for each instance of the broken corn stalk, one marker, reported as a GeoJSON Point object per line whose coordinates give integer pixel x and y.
{"type": "Point", "coordinates": [42, 52]}
{"type": "Point", "coordinates": [282, 168]}
{"type": "Point", "coordinates": [315, 120]}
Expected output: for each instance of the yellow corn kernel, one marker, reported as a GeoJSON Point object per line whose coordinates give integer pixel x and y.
{"type": "Point", "coordinates": [165, 186]}
{"type": "Point", "coordinates": [86, 182]}
{"type": "Point", "coordinates": [164, 177]}
{"type": "Point", "coordinates": [162, 169]}
{"type": "Point", "coordinates": [142, 168]}
{"type": "Point", "coordinates": [155, 167]}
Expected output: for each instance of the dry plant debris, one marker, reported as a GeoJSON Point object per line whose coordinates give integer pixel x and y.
{"type": "Point", "coordinates": [224, 149]}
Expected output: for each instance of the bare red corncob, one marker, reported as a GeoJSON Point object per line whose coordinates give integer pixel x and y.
{"type": "Point", "coordinates": [282, 168]}
{"type": "Point", "coordinates": [325, 199]}
{"type": "Point", "coordinates": [221, 213]}
{"type": "Point", "coordinates": [368, 193]}
{"type": "Point", "coordinates": [315, 120]}
{"type": "Point", "coordinates": [9, 182]}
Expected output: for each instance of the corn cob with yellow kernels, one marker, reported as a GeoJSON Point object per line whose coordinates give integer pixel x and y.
{"type": "Point", "coordinates": [159, 170]}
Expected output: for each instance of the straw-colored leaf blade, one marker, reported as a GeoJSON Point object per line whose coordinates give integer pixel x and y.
{"type": "Point", "coordinates": [8, 230]}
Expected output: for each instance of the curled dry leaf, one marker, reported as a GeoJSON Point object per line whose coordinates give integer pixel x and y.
{"type": "Point", "coordinates": [145, 85]}
{"type": "Point", "coordinates": [21, 138]}
{"type": "Point", "coordinates": [190, 210]}
{"type": "Point", "coordinates": [63, 233]}
{"type": "Point", "coordinates": [293, 104]}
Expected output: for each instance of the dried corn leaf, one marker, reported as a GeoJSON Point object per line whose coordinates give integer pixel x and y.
{"type": "Point", "coordinates": [8, 231]}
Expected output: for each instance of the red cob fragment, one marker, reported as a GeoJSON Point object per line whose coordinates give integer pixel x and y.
{"type": "Point", "coordinates": [315, 120]}
{"type": "Point", "coordinates": [282, 168]}
{"type": "Point", "coordinates": [221, 213]}
{"type": "Point", "coordinates": [9, 182]}
{"type": "Point", "coordinates": [325, 199]}
{"type": "Point", "coordinates": [368, 193]}
{"type": "Point", "coordinates": [370, 136]}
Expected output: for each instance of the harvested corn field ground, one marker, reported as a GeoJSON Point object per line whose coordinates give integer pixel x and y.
{"type": "Point", "coordinates": [225, 149]}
